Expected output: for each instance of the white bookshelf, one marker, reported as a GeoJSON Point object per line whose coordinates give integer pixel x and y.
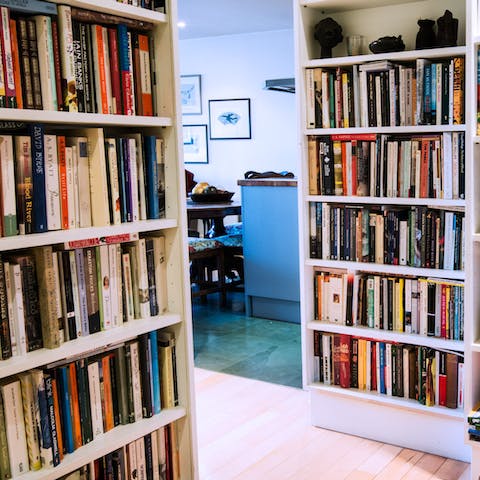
{"type": "Point", "coordinates": [438, 430]}
{"type": "Point", "coordinates": [178, 316]}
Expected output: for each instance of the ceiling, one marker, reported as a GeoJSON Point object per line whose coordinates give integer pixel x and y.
{"type": "Point", "coordinates": [207, 18]}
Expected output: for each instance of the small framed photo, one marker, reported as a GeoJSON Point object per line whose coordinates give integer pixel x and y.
{"type": "Point", "coordinates": [229, 119]}
{"type": "Point", "coordinates": [195, 145]}
{"type": "Point", "coordinates": [191, 94]}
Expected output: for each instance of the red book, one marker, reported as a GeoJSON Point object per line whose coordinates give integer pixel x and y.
{"type": "Point", "coordinates": [115, 70]}
{"type": "Point", "coordinates": [336, 359]}
{"type": "Point", "coordinates": [16, 63]}
{"type": "Point", "coordinates": [424, 168]}
{"type": "Point", "coordinates": [7, 58]}
{"type": "Point", "coordinates": [145, 86]}
{"type": "Point", "coordinates": [442, 380]}
{"type": "Point", "coordinates": [74, 406]}
{"type": "Point", "coordinates": [344, 361]}
{"type": "Point", "coordinates": [62, 174]}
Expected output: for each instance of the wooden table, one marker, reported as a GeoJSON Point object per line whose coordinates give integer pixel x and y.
{"type": "Point", "coordinates": [213, 215]}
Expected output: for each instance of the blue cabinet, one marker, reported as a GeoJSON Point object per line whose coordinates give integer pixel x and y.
{"type": "Point", "coordinates": [270, 248]}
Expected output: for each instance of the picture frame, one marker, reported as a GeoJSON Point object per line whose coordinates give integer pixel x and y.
{"type": "Point", "coordinates": [191, 94]}
{"type": "Point", "coordinates": [195, 144]}
{"type": "Point", "coordinates": [229, 119]}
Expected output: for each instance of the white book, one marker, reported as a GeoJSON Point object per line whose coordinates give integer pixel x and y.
{"type": "Point", "coordinates": [111, 147]}
{"type": "Point", "coordinates": [129, 312]}
{"type": "Point", "coordinates": [363, 98]}
{"type": "Point", "coordinates": [9, 75]}
{"type": "Point", "coordinates": [43, 24]}
{"type": "Point", "coordinates": [136, 382]}
{"type": "Point", "coordinates": [132, 461]}
{"type": "Point", "coordinates": [142, 202]}
{"type": "Point", "coordinates": [8, 186]}
{"type": "Point", "coordinates": [67, 57]}
{"type": "Point", "coordinates": [133, 163]}
{"type": "Point", "coordinates": [356, 95]}
{"type": "Point", "coordinates": [461, 385]}
{"type": "Point", "coordinates": [423, 307]}
{"type": "Point", "coordinates": [142, 278]}
{"type": "Point", "coordinates": [114, 285]}
{"type": "Point", "coordinates": [455, 165]}
{"type": "Point", "coordinates": [447, 174]}
{"type": "Point", "coordinates": [403, 242]}
{"type": "Point", "coordinates": [162, 452]}
{"type": "Point", "coordinates": [17, 291]}
{"type": "Point", "coordinates": [408, 305]}
{"type": "Point", "coordinates": [449, 242]}
{"type": "Point", "coordinates": [32, 433]}
{"type": "Point", "coordinates": [83, 210]}
{"type": "Point", "coordinates": [392, 97]}
{"type": "Point", "coordinates": [326, 231]}
{"type": "Point", "coordinates": [95, 398]}
{"type": "Point", "coordinates": [15, 427]}
{"type": "Point", "coordinates": [106, 295]}
{"type": "Point", "coordinates": [72, 187]}
{"type": "Point", "coordinates": [388, 368]}
{"type": "Point", "coordinates": [52, 184]}
{"type": "Point", "coordinates": [141, 461]}
{"type": "Point", "coordinates": [76, 297]}
{"type": "Point", "coordinates": [9, 291]}
{"type": "Point", "coordinates": [325, 100]}
{"type": "Point", "coordinates": [379, 236]}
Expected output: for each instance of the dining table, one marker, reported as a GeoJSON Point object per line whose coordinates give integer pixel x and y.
{"type": "Point", "coordinates": [212, 214]}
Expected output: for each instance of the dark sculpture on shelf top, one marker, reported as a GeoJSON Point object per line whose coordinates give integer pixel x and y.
{"type": "Point", "coordinates": [426, 37]}
{"type": "Point", "coordinates": [329, 34]}
{"type": "Point", "coordinates": [447, 30]}
{"type": "Point", "coordinates": [387, 45]}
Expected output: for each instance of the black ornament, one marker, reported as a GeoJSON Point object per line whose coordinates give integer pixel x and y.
{"type": "Point", "coordinates": [426, 37]}
{"type": "Point", "coordinates": [329, 34]}
{"type": "Point", "coordinates": [447, 30]}
{"type": "Point", "coordinates": [387, 45]}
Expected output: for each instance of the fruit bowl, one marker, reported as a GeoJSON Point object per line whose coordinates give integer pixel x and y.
{"type": "Point", "coordinates": [216, 197]}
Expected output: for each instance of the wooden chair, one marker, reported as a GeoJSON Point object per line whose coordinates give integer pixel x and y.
{"type": "Point", "coordinates": [207, 256]}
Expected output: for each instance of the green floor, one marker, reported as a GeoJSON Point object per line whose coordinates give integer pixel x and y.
{"type": "Point", "coordinates": [225, 340]}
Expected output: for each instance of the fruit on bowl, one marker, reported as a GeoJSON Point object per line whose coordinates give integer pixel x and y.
{"type": "Point", "coordinates": [200, 187]}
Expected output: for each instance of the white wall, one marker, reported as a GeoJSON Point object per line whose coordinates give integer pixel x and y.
{"type": "Point", "coordinates": [236, 66]}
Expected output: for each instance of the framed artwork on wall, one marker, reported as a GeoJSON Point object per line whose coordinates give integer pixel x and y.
{"type": "Point", "coordinates": [229, 119]}
{"type": "Point", "coordinates": [191, 94]}
{"type": "Point", "coordinates": [195, 145]}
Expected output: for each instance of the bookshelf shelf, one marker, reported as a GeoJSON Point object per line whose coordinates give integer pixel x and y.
{"type": "Point", "coordinates": [386, 130]}
{"type": "Point", "coordinates": [400, 337]}
{"type": "Point", "coordinates": [392, 269]}
{"type": "Point", "coordinates": [86, 345]}
{"type": "Point", "coordinates": [83, 119]}
{"type": "Point", "coordinates": [77, 234]}
{"type": "Point", "coordinates": [117, 8]}
{"type": "Point", "coordinates": [359, 200]}
{"type": "Point", "coordinates": [396, 402]}
{"type": "Point", "coordinates": [336, 91]}
{"type": "Point", "coordinates": [108, 442]}
{"type": "Point", "coordinates": [404, 56]}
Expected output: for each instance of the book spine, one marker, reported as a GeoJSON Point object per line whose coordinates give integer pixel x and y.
{"type": "Point", "coordinates": [92, 290]}
{"type": "Point", "coordinates": [145, 86]}
{"type": "Point", "coordinates": [34, 64]}
{"type": "Point", "coordinates": [57, 73]}
{"type": "Point", "coordinates": [67, 56]}
{"type": "Point", "coordinates": [78, 65]}
{"type": "Point", "coordinates": [39, 178]}
{"type": "Point", "coordinates": [54, 428]}
{"type": "Point", "coordinates": [7, 57]}
{"type": "Point", "coordinates": [82, 290]}
{"type": "Point", "coordinates": [136, 381]}
{"type": "Point", "coordinates": [115, 71]}
{"type": "Point", "coordinates": [24, 184]}
{"type": "Point", "coordinates": [95, 398]}
{"type": "Point", "coordinates": [53, 191]}
{"type": "Point", "coordinates": [25, 67]}
{"type": "Point", "coordinates": [43, 25]}
{"type": "Point", "coordinates": [16, 64]}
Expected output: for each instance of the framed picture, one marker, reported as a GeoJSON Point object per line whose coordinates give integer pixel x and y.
{"type": "Point", "coordinates": [195, 146]}
{"type": "Point", "coordinates": [191, 94]}
{"type": "Point", "coordinates": [229, 119]}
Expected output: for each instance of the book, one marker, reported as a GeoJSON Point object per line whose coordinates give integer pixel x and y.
{"type": "Point", "coordinates": [7, 58]}
{"type": "Point", "coordinates": [25, 66]}
{"type": "Point", "coordinates": [5, 470]}
{"type": "Point", "coordinates": [53, 195]}
{"type": "Point", "coordinates": [15, 427]}
{"type": "Point", "coordinates": [24, 183]}
{"type": "Point", "coordinates": [5, 334]}
{"type": "Point", "coordinates": [41, 181]}
{"type": "Point", "coordinates": [95, 398]}
{"type": "Point", "coordinates": [16, 63]}
{"type": "Point", "coordinates": [91, 288]}
{"type": "Point", "coordinates": [166, 349]}
{"type": "Point", "coordinates": [67, 57]}
{"type": "Point", "coordinates": [34, 64]}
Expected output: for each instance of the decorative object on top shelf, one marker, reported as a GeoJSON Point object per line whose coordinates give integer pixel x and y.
{"type": "Point", "coordinates": [355, 44]}
{"type": "Point", "coordinates": [195, 145]}
{"type": "Point", "coordinates": [329, 34]}
{"type": "Point", "coordinates": [447, 30]}
{"type": "Point", "coordinates": [387, 45]}
{"type": "Point", "coordinates": [229, 119]}
{"type": "Point", "coordinates": [191, 94]}
{"type": "Point", "coordinates": [426, 37]}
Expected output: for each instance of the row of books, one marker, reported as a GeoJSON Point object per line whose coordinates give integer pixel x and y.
{"type": "Point", "coordinates": [48, 297]}
{"type": "Point", "coordinates": [424, 306]}
{"type": "Point", "coordinates": [431, 377]}
{"type": "Point", "coordinates": [54, 181]}
{"type": "Point", "coordinates": [154, 456]}
{"type": "Point", "coordinates": [415, 236]}
{"type": "Point", "coordinates": [57, 57]}
{"type": "Point", "coordinates": [155, 5]}
{"type": "Point", "coordinates": [51, 412]}
{"type": "Point", "coordinates": [385, 93]}
{"type": "Point", "coordinates": [406, 165]}
{"type": "Point", "coordinates": [474, 422]}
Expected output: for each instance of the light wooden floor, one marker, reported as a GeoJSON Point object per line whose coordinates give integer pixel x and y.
{"type": "Point", "coordinates": [251, 430]}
